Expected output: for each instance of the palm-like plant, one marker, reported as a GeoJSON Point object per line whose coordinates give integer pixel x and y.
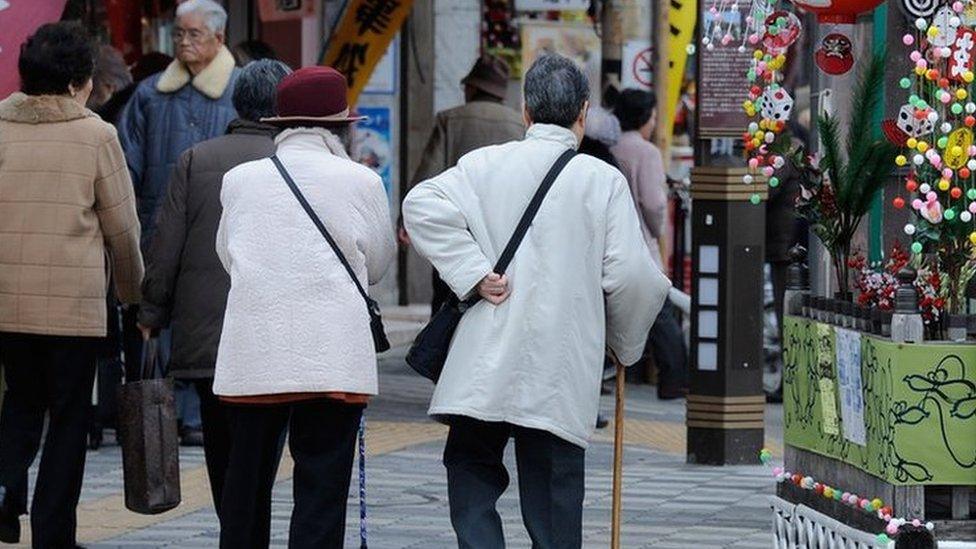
{"type": "Point", "coordinates": [838, 193]}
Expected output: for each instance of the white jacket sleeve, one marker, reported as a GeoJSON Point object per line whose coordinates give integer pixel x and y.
{"type": "Point", "coordinates": [635, 288]}
{"type": "Point", "coordinates": [439, 231]}
{"type": "Point", "coordinates": [379, 247]}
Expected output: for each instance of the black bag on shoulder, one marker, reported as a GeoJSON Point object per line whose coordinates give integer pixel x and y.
{"type": "Point", "coordinates": [380, 342]}
{"type": "Point", "coordinates": [429, 351]}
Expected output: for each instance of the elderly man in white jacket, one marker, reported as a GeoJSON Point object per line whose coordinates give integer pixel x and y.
{"type": "Point", "coordinates": [526, 362]}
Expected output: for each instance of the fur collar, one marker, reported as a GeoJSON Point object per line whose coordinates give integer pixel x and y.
{"type": "Point", "coordinates": [40, 109]}
{"type": "Point", "coordinates": [212, 81]}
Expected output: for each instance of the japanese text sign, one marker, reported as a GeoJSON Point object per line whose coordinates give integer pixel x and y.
{"type": "Point", "coordinates": [361, 38]}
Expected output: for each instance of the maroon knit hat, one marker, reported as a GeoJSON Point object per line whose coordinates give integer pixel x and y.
{"type": "Point", "coordinates": [313, 96]}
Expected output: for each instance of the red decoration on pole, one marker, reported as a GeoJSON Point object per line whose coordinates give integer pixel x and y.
{"type": "Point", "coordinates": [125, 24]}
{"type": "Point", "coordinates": [837, 11]}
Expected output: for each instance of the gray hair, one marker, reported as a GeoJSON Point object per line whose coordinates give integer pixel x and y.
{"type": "Point", "coordinates": [110, 68]}
{"type": "Point", "coordinates": [213, 13]}
{"type": "Point", "coordinates": [555, 91]}
{"type": "Point", "coordinates": [254, 92]}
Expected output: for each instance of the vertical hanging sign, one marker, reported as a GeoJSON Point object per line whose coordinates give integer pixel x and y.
{"type": "Point", "coordinates": [361, 37]}
{"type": "Point", "coordinates": [682, 16]}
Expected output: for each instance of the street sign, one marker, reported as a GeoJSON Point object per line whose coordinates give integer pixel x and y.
{"type": "Point", "coordinates": [362, 37]}
{"type": "Point", "coordinates": [638, 65]}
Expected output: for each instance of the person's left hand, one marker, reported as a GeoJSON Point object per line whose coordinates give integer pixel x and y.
{"type": "Point", "coordinates": [146, 332]}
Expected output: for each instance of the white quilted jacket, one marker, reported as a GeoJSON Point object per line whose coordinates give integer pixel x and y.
{"type": "Point", "coordinates": [294, 320]}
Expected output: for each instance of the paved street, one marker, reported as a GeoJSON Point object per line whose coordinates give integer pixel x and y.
{"type": "Point", "coordinates": [667, 503]}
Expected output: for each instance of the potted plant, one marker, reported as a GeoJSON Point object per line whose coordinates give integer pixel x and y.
{"type": "Point", "coordinates": [838, 187]}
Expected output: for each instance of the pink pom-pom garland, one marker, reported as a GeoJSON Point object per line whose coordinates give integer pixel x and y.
{"type": "Point", "coordinates": [874, 506]}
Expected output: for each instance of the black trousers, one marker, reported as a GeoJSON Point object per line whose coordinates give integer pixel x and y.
{"type": "Point", "coordinates": [550, 484]}
{"type": "Point", "coordinates": [666, 342]}
{"type": "Point", "coordinates": [216, 437]}
{"type": "Point", "coordinates": [53, 376]}
{"type": "Point", "coordinates": [322, 439]}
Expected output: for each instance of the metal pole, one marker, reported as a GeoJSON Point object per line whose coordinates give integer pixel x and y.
{"type": "Point", "coordinates": [618, 456]}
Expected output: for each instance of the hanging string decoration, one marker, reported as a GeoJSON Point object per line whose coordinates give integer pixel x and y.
{"type": "Point", "coordinates": [935, 130]}
{"type": "Point", "coordinates": [769, 105]}
{"type": "Point", "coordinates": [873, 506]}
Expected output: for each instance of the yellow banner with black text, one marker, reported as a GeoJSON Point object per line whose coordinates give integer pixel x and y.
{"type": "Point", "coordinates": [361, 38]}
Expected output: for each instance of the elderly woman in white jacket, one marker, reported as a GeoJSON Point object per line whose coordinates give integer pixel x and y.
{"type": "Point", "coordinates": [526, 362]}
{"type": "Point", "coordinates": [296, 350]}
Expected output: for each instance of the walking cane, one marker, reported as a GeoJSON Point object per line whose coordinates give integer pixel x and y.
{"type": "Point", "coordinates": [618, 455]}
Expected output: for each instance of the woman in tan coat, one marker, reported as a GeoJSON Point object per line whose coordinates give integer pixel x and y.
{"type": "Point", "coordinates": [67, 223]}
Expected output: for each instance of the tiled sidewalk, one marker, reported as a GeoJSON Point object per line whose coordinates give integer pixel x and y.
{"type": "Point", "coordinates": [667, 503]}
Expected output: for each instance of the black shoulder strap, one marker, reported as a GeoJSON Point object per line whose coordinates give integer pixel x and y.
{"type": "Point", "coordinates": [319, 225]}
{"type": "Point", "coordinates": [532, 210]}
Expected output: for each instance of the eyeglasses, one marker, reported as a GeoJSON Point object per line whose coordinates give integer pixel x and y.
{"type": "Point", "coordinates": [195, 36]}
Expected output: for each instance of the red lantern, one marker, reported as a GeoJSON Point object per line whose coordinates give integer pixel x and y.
{"type": "Point", "coordinates": [837, 11]}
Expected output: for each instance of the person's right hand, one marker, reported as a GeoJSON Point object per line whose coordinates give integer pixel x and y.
{"type": "Point", "coordinates": [494, 288]}
{"type": "Point", "coordinates": [146, 332]}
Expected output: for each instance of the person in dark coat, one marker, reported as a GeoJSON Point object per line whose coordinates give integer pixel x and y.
{"type": "Point", "coordinates": [483, 120]}
{"type": "Point", "coordinates": [186, 286]}
{"type": "Point", "coordinates": [150, 64]}
{"type": "Point", "coordinates": [186, 104]}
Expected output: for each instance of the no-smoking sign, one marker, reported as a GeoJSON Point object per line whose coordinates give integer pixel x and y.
{"type": "Point", "coordinates": [638, 66]}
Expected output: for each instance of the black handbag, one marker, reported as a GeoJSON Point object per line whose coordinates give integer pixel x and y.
{"type": "Point", "coordinates": [429, 351]}
{"type": "Point", "coordinates": [380, 342]}
{"type": "Point", "coordinates": [149, 438]}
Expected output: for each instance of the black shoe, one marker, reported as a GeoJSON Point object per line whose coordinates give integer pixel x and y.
{"type": "Point", "coordinates": [775, 397]}
{"type": "Point", "coordinates": [9, 521]}
{"type": "Point", "coordinates": [671, 394]}
{"type": "Point", "coordinates": [191, 437]}
{"type": "Point", "coordinates": [601, 422]}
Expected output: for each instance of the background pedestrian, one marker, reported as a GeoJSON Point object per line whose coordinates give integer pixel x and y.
{"type": "Point", "coordinates": [66, 204]}
{"type": "Point", "coordinates": [186, 287]}
{"type": "Point", "coordinates": [641, 162]}
{"type": "Point", "coordinates": [483, 120]}
{"type": "Point", "coordinates": [189, 102]}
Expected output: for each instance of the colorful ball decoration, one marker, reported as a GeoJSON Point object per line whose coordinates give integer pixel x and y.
{"type": "Point", "coordinates": [771, 32]}
{"type": "Point", "coordinates": [935, 127]}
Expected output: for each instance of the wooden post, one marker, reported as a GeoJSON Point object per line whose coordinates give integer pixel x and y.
{"type": "Point", "coordinates": [618, 456]}
{"type": "Point", "coordinates": [662, 132]}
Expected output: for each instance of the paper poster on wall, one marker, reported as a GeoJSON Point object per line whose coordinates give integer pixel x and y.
{"type": "Point", "coordinates": [578, 42]}
{"type": "Point", "coordinates": [828, 406]}
{"type": "Point", "coordinates": [384, 77]}
{"type": "Point", "coordinates": [848, 345]}
{"type": "Point", "coordinates": [372, 146]}
{"type": "Point", "coordinates": [636, 69]}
